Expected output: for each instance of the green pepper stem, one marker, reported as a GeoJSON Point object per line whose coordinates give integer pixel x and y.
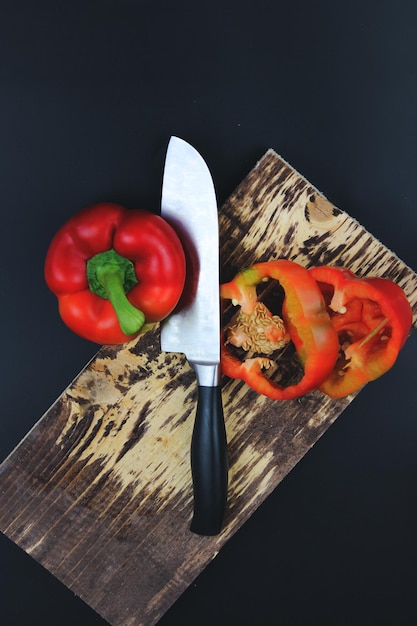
{"type": "Point", "coordinates": [111, 276]}
{"type": "Point", "coordinates": [130, 318]}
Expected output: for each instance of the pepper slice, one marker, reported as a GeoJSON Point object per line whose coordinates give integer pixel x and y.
{"type": "Point", "coordinates": [372, 318]}
{"type": "Point", "coordinates": [306, 321]}
{"type": "Point", "coordinates": [114, 271]}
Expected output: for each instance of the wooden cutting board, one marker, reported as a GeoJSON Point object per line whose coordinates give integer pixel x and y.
{"type": "Point", "coordinates": [99, 491]}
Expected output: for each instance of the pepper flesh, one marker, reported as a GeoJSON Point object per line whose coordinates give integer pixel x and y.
{"type": "Point", "coordinates": [155, 262]}
{"type": "Point", "coordinates": [307, 324]}
{"type": "Point", "coordinates": [372, 318]}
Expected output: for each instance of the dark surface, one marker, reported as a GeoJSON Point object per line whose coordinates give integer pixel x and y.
{"type": "Point", "coordinates": [90, 94]}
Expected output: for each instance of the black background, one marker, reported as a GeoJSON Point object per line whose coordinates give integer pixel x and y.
{"type": "Point", "coordinates": [91, 91]}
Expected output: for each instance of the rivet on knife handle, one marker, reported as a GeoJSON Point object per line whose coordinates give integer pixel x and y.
{"type": "Point", "coordinates": [209, 462]}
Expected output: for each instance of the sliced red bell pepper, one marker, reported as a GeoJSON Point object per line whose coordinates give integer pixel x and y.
{"type": "Point", "coordinates": [372, 317]}
{"type": "Point", "coordinates": [114, 271]}
{"type": "Point", "coordinates": [306, 322]}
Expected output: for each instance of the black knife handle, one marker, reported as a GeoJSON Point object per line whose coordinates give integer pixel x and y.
{"type": "Point", "coordinates": [209, 463]}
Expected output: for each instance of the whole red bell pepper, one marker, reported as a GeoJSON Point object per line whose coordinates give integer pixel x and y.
{"type": "Point", "coordinates": [372, 318]}
{"type": "Point", "coordinates": [114, 271]}
{"type": "Point", "coordinates": [305, 322]}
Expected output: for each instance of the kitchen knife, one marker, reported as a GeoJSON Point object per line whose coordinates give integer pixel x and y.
{"type": "Point", "coordinates": [189, 205]}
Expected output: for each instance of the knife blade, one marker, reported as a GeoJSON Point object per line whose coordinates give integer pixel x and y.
{"type": "Point", "coordinates": [189, 204]}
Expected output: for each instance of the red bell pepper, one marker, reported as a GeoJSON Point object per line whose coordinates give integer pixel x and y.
{"type": "Point", "coordinates": [372, 318]}
{"type": "Point", "coordinates": [114, 271]}
{"type": "Point", "coordinates": [306, 323]}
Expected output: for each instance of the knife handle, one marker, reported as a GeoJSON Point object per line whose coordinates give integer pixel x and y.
{"type": "Point", "coordinates": [209, 463]}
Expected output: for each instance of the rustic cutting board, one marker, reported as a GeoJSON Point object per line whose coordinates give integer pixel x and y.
{"type": "Point", "coordinates": [99, 491]}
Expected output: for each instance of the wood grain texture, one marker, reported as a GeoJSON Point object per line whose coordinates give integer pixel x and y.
{"type": "Point", "coordinates": [99, 491]}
